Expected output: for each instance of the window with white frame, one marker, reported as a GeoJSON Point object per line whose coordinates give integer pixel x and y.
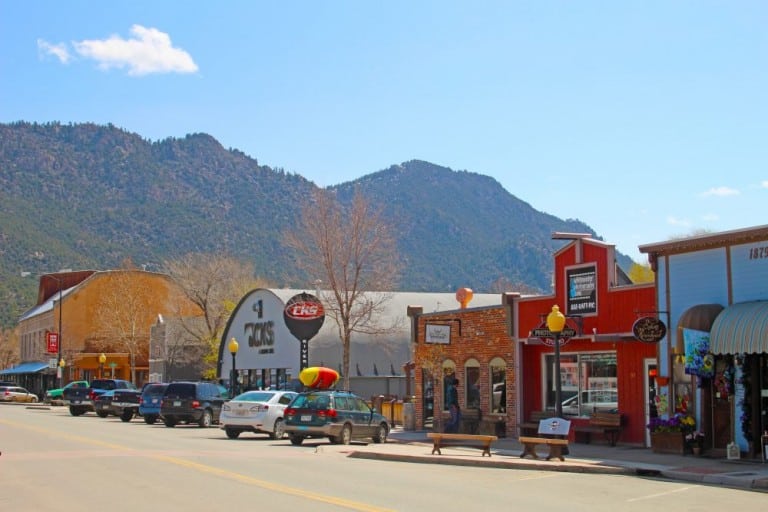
{"type": "Point", "coordinates": [588, 382]}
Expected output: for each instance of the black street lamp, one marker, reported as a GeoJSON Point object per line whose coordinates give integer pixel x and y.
{"type": "Point", "coordinates": [555, 324]}
{"type": "Point", "coordinates": [233, 346]}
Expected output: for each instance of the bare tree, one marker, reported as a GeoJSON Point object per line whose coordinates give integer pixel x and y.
{"type": "Point", "coordinates": [9, 348]}
{"type": "Point", "coordinates": [432, 357]}
{"type": "Point", "coordinates": [354, 252]}
{"type": "Point", "coordinates": [215, 284]}
{"type": "Point", "coordinates": [123, 311]}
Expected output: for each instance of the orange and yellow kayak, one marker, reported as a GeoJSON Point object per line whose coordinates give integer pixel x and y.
{"type": "Point", "coordinates": [319, 377]}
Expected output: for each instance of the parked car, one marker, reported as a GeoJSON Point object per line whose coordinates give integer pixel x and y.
{"type": "Point", "coordinates": [102, 404]}
{"type": "Point", "coordinates": [338, 415]}
{"type": "Point", "coordinates": [592, 400]}
{"type": "Point", "coordinates": [16, 394]}
{"type": "Point", "coordinates": [149, 401]}
{"type": "Point", "coordinates": [125, 403]}
{"type": "Point", "coordinates": [257, 412]}
{"type": "Point", "coordinates": [81, 400]}
{"type": "Point", "coordinates": [53, 395]}
{"type": "Point", "coordinates": [191, 402]}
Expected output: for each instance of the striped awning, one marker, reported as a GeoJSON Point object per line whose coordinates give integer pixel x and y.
{"type": "Point", "coordinates": [741, 329]}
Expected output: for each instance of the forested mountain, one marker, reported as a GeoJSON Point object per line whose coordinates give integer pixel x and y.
{"type": "Point", "coordinates": [88, 196]}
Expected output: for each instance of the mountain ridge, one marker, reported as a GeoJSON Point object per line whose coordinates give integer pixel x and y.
{"type": "Point", "coordinates": [91, 196]}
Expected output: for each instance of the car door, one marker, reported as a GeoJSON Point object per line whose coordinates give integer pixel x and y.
{"type": "Point", "coordinates": [364, 417]}
{"type": "Point", "coordinates": [216, 400]}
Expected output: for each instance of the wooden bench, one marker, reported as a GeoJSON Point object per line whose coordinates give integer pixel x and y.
{"type": "Point", "coordinates": [555, 446]}
{"type": "Point", "coordinates": [608, 423]}
{"type": "Point", "coordinates": [439, 440]}
{"type": "Point", "coordinates": [552, 432]}
{"type": "Point", "coordinates": [532, 425]}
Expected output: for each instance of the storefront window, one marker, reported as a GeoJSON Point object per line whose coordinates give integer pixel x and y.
{"type": "Point", "coordinates": [472, 374]}
{"type": "Point", "coordinates": [498, 385]}
{"type": "Point", "coordinates": [588, 383]}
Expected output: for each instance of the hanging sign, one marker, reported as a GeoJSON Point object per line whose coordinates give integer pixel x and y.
{"type": "Point", "coordinates": [52, 342]}
{"type": "Point", "coordinates": [649, 329]}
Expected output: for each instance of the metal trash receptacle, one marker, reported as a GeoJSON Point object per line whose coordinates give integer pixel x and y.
{"type": "Point", "coordinates": [409, 416]}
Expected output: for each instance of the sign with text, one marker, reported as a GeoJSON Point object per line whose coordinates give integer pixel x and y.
{"type": "Point", "coordinates": [52, 342]}
{"type": "Point", "coordinates": [582, 290]}
{"type": "Point", "coordinates": [438, 333]}
{"type": "Point", "coordinates": [649, 329]}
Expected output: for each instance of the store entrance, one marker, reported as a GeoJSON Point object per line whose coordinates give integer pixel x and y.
{"type": "Point", "coordinates": [722, 403]}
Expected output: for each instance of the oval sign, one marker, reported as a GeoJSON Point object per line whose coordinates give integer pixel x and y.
{"type": "Point", "coordinates": [304, 315]}
{"type": "Point", "coordinates": [649, 329]}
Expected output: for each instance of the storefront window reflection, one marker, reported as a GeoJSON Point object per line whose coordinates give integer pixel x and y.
{"type": "Point", "coordinates": [449, 374]}
{"type": "Point", "coordinates": [498, 385]}
{"type": "Point", "coordinates": [589, 383]}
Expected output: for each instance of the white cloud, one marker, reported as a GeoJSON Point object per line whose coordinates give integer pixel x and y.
{"type": "Point", "coordinates": [149, 51]}
{"type": "Point", "coordinates": [674, 221]}
{"type": "Point", "coordinates": [720, 192]}
{"type": "Point", "coordinates": [57, 50]}
{"type": "Point", "coordinates": [710, 217]}
{"type": "Point", "coordinates": [764, 184]}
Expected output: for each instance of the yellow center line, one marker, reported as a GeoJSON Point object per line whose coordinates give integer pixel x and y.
{"type": "Point", "coordinates": [204, 468]}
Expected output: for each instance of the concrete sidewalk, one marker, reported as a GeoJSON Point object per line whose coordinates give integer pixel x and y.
{"type": "Point", "coordinates": [415, 446]}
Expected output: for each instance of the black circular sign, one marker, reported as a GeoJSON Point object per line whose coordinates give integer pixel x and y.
{"type": "Point", "coordinates": [304, 315]}
{"type": "Point", "coordinates": [649, 329]}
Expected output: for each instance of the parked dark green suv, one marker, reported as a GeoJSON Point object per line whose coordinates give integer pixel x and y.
{"type": "Point", "coordinates": [338, 415]}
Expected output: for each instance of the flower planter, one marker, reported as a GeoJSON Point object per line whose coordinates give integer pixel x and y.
{"type": "Point", "coordinates": [668, 442]}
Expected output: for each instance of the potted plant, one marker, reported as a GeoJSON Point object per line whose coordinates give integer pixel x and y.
{"type": "Point", "coordinates": [695, 441]}
{"type": "Point", "coordinates": [668, 434]}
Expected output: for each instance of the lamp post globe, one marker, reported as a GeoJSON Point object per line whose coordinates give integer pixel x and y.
{"type": "Point", "coordinates": [233, 347]}
{"type": "Point", "coordinates": [102, 360]}
{"type": "Point", "coordinates": [555, 324]}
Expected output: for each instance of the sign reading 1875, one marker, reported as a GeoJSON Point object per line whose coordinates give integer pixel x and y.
{"type": "Point", "coordinates": [758, 253]}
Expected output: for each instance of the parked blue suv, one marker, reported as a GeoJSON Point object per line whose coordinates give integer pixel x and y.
{"type": "Point", "coordinates": [149, 403]}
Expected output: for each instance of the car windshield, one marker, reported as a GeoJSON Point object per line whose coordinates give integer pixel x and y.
{"type": "Point", "coordinates": [254, 396]}
{"type": "Point", "coordinates": [155, 389]}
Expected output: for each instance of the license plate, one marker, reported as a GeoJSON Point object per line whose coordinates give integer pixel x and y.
{"type": "Point", "coordinates": [241, 412]}
{"type": "Point", "coordinates": [154, 400]}
{"type": "Point", "coordinates": [177, 403]}
{"type": "Point", "coordinates": [76, 402]}
{"type": "Point", "coordinates": [306, 418]}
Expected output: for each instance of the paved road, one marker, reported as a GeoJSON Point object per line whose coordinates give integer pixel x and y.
{"type": "Point", "coordinates": [53, 461]}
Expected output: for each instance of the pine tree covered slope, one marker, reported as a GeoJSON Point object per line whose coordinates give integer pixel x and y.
{"type": "Point", "coordinates": [90, 196]}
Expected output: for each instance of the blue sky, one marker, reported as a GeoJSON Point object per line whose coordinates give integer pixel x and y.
{"type": "Point", "coordinates": [646, 120]}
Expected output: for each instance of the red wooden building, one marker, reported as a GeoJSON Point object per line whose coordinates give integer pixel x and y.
{"type": "Point", "coordinates": [507, 373]}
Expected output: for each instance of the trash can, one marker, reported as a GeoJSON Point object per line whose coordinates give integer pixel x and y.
{"type": "Point", "coordinates": [409, 416]}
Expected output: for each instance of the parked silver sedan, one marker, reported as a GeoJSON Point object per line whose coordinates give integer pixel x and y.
{"type": "Point", "coordinates": [257, 412]}
{"type": "Point", "coordinates": [16, 394]}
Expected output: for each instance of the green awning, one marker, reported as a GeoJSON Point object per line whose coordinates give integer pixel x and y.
{"type": "Point", "coordinates": [741, 329]}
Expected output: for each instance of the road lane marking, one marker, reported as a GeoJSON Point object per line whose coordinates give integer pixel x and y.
{"type": "Point", "coordinates": [284, 489]}
{"type": "Point", "coordinates": [659, 495]}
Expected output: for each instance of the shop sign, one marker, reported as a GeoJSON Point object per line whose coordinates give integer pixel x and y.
{"type": "Point", "coordinates": [649, 329]}
{"type": "Point", "coordinates": [582, 290]}
{"type": "Point", "coordinates": [304, 315]}
{"type": "Point", "coordinates": [52, 342]}
{"type": "Point", "coordinates": [438, 333]}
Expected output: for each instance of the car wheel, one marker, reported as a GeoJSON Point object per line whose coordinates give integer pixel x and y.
{"type": "Point", "coordinates": [232, 433]}
{"type": "Point", "coordinates": [126, 416]}
{"type": "Point", "coordinates": [381, 434]}
{"type": "Point", "coordinates": [278, 431]}
{"type": "Point", "coordinates": [150, 419]}
{"type": "Point", "coordinates": [74, 411]}
{"type": "Point", "coordinates": [170, 423]}
{"type": "Point", "coordinates": [346, 435]}
{"type": "Point", "coordinates": [34, 400]}
{"type": "Point", "coordinates": [205, 420]}
{"type": "Point", "coordinates": [102, 414]}
{"type": "Point", "coordinates": [296, 440]}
